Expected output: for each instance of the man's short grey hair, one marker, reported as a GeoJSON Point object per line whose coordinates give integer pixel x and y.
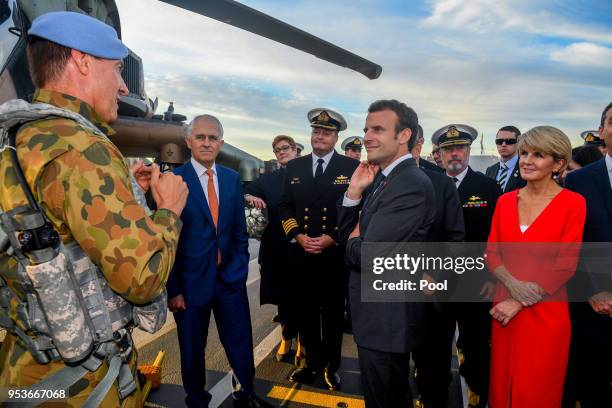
{"type": "Point", "coordinates": [208, 117]}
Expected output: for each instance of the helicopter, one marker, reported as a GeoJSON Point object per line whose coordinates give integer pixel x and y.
{"type": "Point", "coordinates": [140, 131]}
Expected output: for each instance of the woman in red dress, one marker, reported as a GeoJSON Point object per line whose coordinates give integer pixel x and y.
{"type": "Point", "coordinates": [533, 250]}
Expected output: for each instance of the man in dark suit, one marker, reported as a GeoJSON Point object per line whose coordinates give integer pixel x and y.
{"type": "Point", "coordinates": [478, 194]}
{"type": "Point", "coordinates": [433, 357]}
{"type": "Point", "coordinates": [506, 171]}
{"type": "Point", "coordinates": [276, 285]}
{"type": "Point", "coordinates": [423, 163]}
{"type": "Point", "coordinates": [312, 186]}
{"type": "Point", "coordinates": [211, 268]}
{"type": "Point", "coordinates": [590, 366]}
{"type": "Point", "coordinates": [399, 207]}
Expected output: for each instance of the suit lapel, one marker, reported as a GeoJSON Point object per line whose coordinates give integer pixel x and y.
{"type": "Point", "coordinates": [515, 176]}
{"type": "Point", "coordinates": [370, 204]}
{"type": "Point", "coordinates": [494, 171]}
{"type": "Point", "coordinates": [463, 187]}
{"type": "Point", "coordinates": [223, 193]}
{"type": "Point", "coordinates": [307, 176]}
{"type": "Point", "coordinates": [195, 188]}
{"type": "Point", "coordinates": [603, 184]}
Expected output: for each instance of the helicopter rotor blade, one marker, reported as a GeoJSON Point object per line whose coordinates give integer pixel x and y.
{"type": "Point", "coordinates": [256, 22]}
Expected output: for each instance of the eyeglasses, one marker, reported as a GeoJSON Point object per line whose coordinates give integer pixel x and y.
{"type": "Point", "coordinates": [500, 142]}
{"type": "Point", "coordinates": [282, 149]}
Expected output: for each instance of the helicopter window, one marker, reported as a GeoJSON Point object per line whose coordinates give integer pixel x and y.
{"type": "Point", "coordinates": [7, 39]}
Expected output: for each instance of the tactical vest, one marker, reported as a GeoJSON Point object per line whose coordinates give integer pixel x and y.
{"type": "Point", "coordinates": [69, 311]}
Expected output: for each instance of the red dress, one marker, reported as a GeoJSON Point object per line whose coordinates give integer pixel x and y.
{"type": "Point", "coordinates": [529, 355]}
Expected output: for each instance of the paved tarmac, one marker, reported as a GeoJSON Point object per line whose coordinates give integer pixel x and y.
{"type": "Point", "coordinates": [271, 376]}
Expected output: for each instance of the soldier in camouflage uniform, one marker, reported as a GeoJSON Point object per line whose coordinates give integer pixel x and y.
{"type": "Point", "coordinates": [84, 186]}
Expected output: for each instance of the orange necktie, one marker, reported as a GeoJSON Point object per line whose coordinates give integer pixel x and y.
{"type": "Point", "coordinates": [213, 204]}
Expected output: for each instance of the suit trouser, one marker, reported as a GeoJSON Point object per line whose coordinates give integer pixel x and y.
{"type": "Point", "coordinates": [230, 306]}
{"type": "Point", "coordinates": [474, 342]}
{"type": "Point", "coordinates": [321, 315]}
{"type": "Point", "coordinates": [589, 371]}
{"type": "Point", "coordinates": [433, 357]}
{"type": "Point", "coordinates": [385, 378]}
{"type": "Point", "coordinates": [288, 317]}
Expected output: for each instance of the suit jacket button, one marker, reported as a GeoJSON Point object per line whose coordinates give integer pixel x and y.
{"type": "Point", "coordinates": [324, 218]}
{"type": "Point", "coordinates": [306, 218]}
{"type": "Point", "coordinates": [306, 209]}
{"type": "Point", "coordinates": [324, 226]}
{"type": "Point", "coordinates": [324, 209]}
{"type": "Point", "coordinates": [305, 226]}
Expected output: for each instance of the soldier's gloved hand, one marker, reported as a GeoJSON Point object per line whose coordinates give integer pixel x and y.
{"type": "Point", "coordinates": [360, 180]}
{"type": "Point", "coordinates": [169, 191]}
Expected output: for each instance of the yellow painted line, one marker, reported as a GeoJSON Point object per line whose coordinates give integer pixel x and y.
{"type": "Point", "coordinates": [313, 398]}
{"type": "Point", "coordinates": [289, 395]}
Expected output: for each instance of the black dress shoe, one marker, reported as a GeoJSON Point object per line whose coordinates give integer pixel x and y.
{"type": "Point", "coordinates": [303, 375]}
{"type": "Point", "coordinates": [332, 379]}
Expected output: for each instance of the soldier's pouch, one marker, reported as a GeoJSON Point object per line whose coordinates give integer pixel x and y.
{"type": "Point", "coordinates": [152, 316]}
{"type": "Point", "coordinates": [62, 310]}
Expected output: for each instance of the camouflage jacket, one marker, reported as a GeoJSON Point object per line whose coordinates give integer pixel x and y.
{"type": "Point", "coordinates": [83, 183]}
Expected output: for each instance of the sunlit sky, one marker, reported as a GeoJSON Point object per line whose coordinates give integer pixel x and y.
{"type": "Point", "coordinates": [486, 63]}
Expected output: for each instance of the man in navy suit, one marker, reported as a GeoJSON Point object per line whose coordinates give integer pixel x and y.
{"type": "Point", "coordinates": [211, 267]}
{"type": "Point", "coordinates": [506, 171]}
{"type": "Point", "coordinates": [590, 367]}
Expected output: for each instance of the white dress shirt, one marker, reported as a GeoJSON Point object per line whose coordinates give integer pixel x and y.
{"type": "Point", "coordinates": [609, 167]}
{"type": "Point", "coordinates": [459, 176]}
{"type": "Point", "coordinates": [203, 177]}
{"type": "Point", "coordinates": [325, 158]}
{"type": "Point", "coordinates": [348, 202]}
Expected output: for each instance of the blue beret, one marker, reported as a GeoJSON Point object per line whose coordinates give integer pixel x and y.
{"type": "Point", "coordinates": [80, 32]}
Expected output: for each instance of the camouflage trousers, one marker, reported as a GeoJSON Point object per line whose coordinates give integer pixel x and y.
{"type": "Point", "coordinates": [19, 370]}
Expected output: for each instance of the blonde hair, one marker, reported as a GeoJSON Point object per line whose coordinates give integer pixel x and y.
{"type": "Point", "coordinates": [549, 141]}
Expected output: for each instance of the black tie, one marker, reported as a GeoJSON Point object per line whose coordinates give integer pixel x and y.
{"type": "Point", "coordinates": [319, 171]}
{"type": "Point", "coordinates": [503, 174]}
{"type": "Point", "coordinates": [455, 180]}
{"type": "Point", "coordinates": [378, 182]}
